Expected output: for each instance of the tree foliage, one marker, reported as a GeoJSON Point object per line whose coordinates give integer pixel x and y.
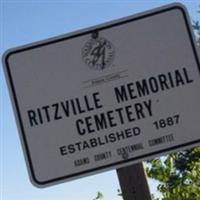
{"type": "Point", "coordinates": [99, 196]}
{"type": "Point", "coordinates": [178, 174]}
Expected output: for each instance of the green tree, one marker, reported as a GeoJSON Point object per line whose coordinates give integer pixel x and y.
{"type": "Point", "coordinates": [178, 173]}
{"type": "Point", "coordinates": [99, 196]}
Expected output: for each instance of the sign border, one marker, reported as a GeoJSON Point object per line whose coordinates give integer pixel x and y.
{"type": "Point", "coordinates": [9, 53]}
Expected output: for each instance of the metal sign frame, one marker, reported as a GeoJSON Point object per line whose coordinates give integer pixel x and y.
{"type": "Point", "coordinates": [11, 52]}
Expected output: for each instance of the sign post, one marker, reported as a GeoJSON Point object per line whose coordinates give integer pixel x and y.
{"type": "Point", "coordinates": [133, 182]}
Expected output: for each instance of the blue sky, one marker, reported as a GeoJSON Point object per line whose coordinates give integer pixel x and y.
{"type": "Point", "coordinates": [24, 22]}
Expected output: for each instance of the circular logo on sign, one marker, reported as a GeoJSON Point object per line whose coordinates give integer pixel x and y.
{"type": "Point", "coordinates": [98, 53]}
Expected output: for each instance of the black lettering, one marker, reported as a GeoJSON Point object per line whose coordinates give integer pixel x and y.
{"type": "Point", "coordinates": [139, 111]}
{"type": "Point", "coordinates": [131, 90]}
{"type": "Point", "coordinates": [85, 145]}
{"type": "Point", "coordinates": [71, 148]}
{"type": "Point", "coordinates": [78, 145]}
{"type": "Point", "coordinates": [153, 84]}
{"type": "Point", "coordinates": [32, 117]}
{"type": "Point", "coordinates": [56, 116]}
{"type": "Point", "coordinates": [93, 142]}
{"type": "Point", "coordinates": [45, 108]}
{"type": "Point", "coordinates": [136, 131]}
{"type": "Point", "coordinates": [179, 79]}
{"type": "Point", "coordinates": [128, 133]}
{"type": "Point", "coordinates": [65, 108]}
{"type": "Point", "coordinates": [112, 137]}
{"type": "Point", "coordinates": [97, 100]}
{"type": "Point", "coordinates": [119, 111]}
{"type": "Point", "coordinates": [121, 94]}
{"type": "Point", "coordinates": [81, 131]}
{"type": "Point", "coordinates": [163, 82]}
{"type": "Point", "coordinates": [73, 107]}
{"type": "Point", "coordinates": [111, 118]}
{"type": "Point", "coordinates": [120, 135]}
{"type": "Point", "coordinates": [80, 110]}
{"type": "Point", "coordinates": [129, 113]}
{"type": "Point", "coordinates": [63, 150]}
{"type": "Point", "coordinates": [171, 79]}
{"type": "Point", "coordinates": [87, 104]}
{"type": "Point", "coordinates": [188, 80]}
{"type": "Point", "coordinates": [142, 88]}
{"type": "Point", "coordinates": [40, 116]}
{"type": "Point", "coordinates": [148, 106]}
{"type": "Point", "coordinates": [100, 121]}
{"type": "Point", "coordinates": [100, 142]}
{"type": "Point", "coordinates": [89, 124]}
